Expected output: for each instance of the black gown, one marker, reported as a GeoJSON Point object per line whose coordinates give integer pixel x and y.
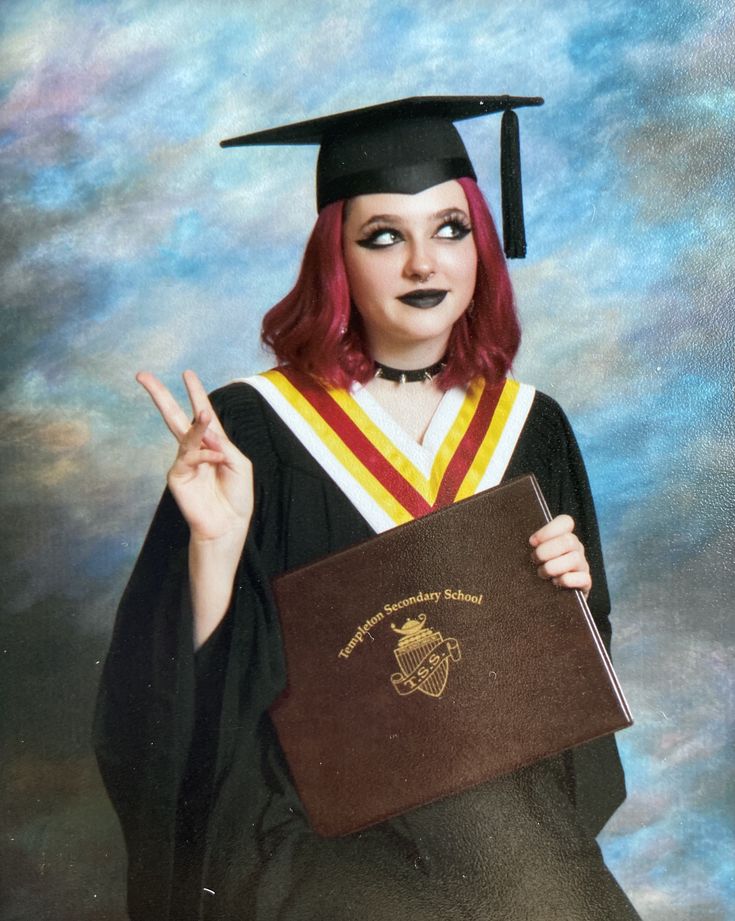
{"type": "Point", "coordinates": [213, 826]}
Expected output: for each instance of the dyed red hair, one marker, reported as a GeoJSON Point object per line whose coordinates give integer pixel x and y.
{"type": "Point", "coordinates": [314, 329]}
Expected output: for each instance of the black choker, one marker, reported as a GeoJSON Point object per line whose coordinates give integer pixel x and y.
{"type": "Point", "coordinates": [409, 377]}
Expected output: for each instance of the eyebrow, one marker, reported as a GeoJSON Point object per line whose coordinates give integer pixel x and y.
{"type": "Point", "coordinates": [396, 219]}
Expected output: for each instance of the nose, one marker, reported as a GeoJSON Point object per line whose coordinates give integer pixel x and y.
{"type": "Point", "coordinates": [419, 262]}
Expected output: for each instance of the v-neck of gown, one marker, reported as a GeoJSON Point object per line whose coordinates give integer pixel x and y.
{"type": "Point", "coordinates": [421, 453]}
{"type": "Point", "coordinates": [387, 475]}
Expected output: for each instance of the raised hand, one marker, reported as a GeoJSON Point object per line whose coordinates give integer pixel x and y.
{"type": "Point", "coordinates": [559, 555]}
{"type": "Point", "coordinates": [210, 479]}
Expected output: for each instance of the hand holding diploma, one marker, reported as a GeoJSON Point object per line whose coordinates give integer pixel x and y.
{"type": "Point", "coordinates": [559, 555]}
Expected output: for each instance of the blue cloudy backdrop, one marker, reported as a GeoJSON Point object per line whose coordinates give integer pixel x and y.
{"type": "Point", "coordinates": [129, 240]}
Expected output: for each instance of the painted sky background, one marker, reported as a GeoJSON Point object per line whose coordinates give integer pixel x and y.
{"type": "Point", "coordinates": [129, 240]}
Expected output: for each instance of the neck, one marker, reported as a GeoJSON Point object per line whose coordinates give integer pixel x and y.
{"type": "Point", "coordinates": [408, 375]}
{"type": "Point", "coordinates": [422, 355]}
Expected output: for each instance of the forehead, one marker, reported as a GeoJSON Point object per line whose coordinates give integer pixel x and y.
{"type": "Point", "coordinates": [437, 198]}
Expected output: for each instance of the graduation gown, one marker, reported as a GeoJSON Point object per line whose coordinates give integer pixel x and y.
{"type": "Point", "coordinates": [213, 826]}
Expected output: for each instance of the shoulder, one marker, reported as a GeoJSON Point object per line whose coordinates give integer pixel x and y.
{"type": "Point", "coordinates": [547, 439]}
{"type": "Point", "coordinates": [547, 421]}
{"type": "Point", "coordinates": [240, 409]}
{"type": "Point", "coordinates": [236, 401]}
{"type": "Point", "coordinates": [244, 407]}
{"type": "Point", "coordinates": [545, 410]}
{"type": "Point", "coordinates": [238, 396]}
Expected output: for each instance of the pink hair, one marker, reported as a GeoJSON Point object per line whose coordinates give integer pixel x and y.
{"type": "Point", "coordinates": [314, 329]}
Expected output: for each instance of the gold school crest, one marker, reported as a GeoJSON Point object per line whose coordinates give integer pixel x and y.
{"type": "Point", "coordinates": [423, 656]}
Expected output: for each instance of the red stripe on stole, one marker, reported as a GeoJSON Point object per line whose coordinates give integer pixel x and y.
{"type": "Point", "coordinates": [467, 449]}
{"type": "Point", "coordinates": [358, 443]}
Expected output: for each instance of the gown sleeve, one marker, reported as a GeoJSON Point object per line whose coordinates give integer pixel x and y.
{"type": "Point", "coordinates": [157, 695]}
{"type": "Point", "coordinates": [549, 449]}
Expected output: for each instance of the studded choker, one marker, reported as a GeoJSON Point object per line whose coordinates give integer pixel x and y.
{"type": "Point", "coordinates": [412, 376]}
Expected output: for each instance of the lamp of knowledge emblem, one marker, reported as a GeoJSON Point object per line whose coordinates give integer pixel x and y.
{"type": "Point", "coordinates": [423, 655]}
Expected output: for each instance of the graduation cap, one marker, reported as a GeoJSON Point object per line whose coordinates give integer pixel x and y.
{"type": "Point", "coordinates": [407, 145]}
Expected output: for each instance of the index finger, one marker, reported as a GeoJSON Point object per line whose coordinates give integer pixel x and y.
{"type": "Point", "coordinates": [562, 524]}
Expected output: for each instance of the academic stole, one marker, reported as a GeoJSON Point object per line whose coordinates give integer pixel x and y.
{"type": "Point", "coordinates": [391, 483]}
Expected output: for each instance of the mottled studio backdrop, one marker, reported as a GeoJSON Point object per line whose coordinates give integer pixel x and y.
{"type": "Point", "coordinates": [131, 241]}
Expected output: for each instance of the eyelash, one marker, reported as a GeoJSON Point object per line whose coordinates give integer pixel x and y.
{"type": "Point", "coordinates": [459, 225]}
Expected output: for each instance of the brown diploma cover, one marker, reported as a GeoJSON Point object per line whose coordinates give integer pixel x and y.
{"type": "Point", "coordinates": [432, 658]}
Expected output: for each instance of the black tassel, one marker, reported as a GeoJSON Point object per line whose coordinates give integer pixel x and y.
{"type": "Point", "coordinates": [514, 234]}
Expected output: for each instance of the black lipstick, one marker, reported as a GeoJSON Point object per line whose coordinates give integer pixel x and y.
{"type": "Point", "coordinates": [423, 298]}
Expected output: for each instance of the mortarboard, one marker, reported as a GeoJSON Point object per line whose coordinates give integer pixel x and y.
{"type": "Point", "coordinates": [407, 145]}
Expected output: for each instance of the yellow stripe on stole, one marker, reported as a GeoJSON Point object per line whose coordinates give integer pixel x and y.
{"type": "Point", "coordinates": [395, 457]}
{"type": "Point", "coordinates": [490, 441]}
{"type": "Point", "coordinates": [455, 434]}
{"type": "Point", "coordinates": [342, 454]}
{"type": "Point", "coordinates": [427, 488]}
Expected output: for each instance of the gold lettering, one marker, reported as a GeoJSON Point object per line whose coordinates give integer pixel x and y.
{"type": "Point", "coordinates": [458, 594]}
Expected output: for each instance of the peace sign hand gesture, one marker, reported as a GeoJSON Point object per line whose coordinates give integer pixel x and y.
{"type": "Point", "coordinates": [210, 479]}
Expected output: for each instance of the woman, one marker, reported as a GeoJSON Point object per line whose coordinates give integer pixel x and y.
{"type": "Point", "coordinates": [403, 277]}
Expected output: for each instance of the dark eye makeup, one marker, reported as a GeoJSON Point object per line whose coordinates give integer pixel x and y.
{"type": "Point", "coordinates": [380, 238]}
{"type": "Point", "coordinates": [453, 226]}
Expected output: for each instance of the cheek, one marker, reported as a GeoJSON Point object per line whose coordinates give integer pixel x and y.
{"type": "Point", "coordinates": [465, 265]}
{"type": "Point", "coordinates": [458, 263]}
{"type": "Point", "coordinates": [355, 281]}
{"type": "Point", "coordinates": [352, 268]}
{"type": "Point", "coordinates": [365, 277]}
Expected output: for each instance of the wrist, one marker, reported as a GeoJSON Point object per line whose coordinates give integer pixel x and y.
{"type": "Point", "coordinates": [221, 554]}
{"type": "Point", "coordinates": [213, 565]}
{"type": "Point", "coordinates": [229, 540]}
